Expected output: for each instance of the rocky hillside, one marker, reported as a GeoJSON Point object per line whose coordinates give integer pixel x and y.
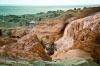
{"type": "Point", "coordinates": [77, 41]}
{"type": "Point", "coordinates": [81, 39]}
{"type": "Point", "coordinates": [76, 26]}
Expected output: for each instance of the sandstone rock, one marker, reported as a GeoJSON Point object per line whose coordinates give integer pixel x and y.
{"type": "Point", "coordinates": [6, 41]}
{"type": "Point", "coordinates": [82, 34]}
{"type": "Point", "coordinates": [50, 30]}
{"type": "Point", "coordinates": [31, 46]}
{"type": "Point", "coordinates": [89, 41]}
{"type": "Point", "coordinates": [74, 27]}
{"type": "Point", "coordinates": [18, 32]}
{"type": "Point", "coordinates": [27, 48]}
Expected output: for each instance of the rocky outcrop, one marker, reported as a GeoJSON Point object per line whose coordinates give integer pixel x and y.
{"type": "Point", "coordinates": [74, 27]}
{"type": "Point", "coordinates": [32, 44]}
{"type": "Point", "coordinates": [82, 34]}
{"type": "Point", "coordinates": [89, 41]}
{"type": "Point", "coordinates": [19, 32]}
{"type": "Point", "coordinates": [27, 48]}
{"type": "Point", "coordinates": [49, 31]}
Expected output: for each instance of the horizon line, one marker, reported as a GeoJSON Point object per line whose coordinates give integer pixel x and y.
{"type": "Point", "coordinates": [51, 5]}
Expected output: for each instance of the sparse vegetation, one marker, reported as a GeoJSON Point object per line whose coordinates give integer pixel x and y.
{"type": "Point", "coordinates": [51, 48]}
{"type": "Point", "coordinates": [43, 44]}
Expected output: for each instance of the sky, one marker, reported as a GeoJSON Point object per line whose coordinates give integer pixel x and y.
{"type": "Point", "coordinates": [50, 2]}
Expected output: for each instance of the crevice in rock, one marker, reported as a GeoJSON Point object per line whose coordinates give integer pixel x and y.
{"type": "Point", "coordinates": [0, 32]}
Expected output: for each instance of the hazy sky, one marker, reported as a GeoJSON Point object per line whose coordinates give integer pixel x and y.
{"type": "Point", "coordinates": [50, 2]}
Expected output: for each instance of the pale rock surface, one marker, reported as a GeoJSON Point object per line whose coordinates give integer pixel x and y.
{"type": "Point", "coordinates": [49, 31]}
{"type": "Point", "coordinates": [74, 27]}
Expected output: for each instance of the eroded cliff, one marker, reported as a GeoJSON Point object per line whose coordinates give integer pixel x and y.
{"type": "Point", "coordinates": [77, 37]}
{"type": "Point", "coordinates": [74, 27]}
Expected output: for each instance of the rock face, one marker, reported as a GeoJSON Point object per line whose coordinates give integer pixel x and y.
{"type": "Point", "coordinates": [33, 45]}
{"type": "Point", "coordinates": [27, 48]}
{"type": "Point", "coordinates": [50, 31]}
{"type": "Point", "coordinates": [82, 34]}
{"type": "Point", "coordinates": [89, 41]}
{"type": "Point", "coordinates": [74, 27]}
